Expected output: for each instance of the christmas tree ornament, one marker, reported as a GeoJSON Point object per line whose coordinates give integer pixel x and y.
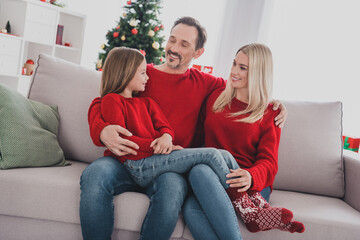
{"type": "Point", "coordinates": [115, 34]}
{"type": "Point", "coordinates": [162, 26]}
{"type": "Point", "coordinates": [133, 22]}
{"type": "Point", "coordinates": [102, 46]}
{"type": "Point", "coordinates": [123, 38]}
{"type": "Point", "coordinates": [118, 27]}
{"type": "Point", "coordinates": [143, 52]}
{"type": "Point", "coordinates": [129, 2]}
{"type": "Point", "coordinates": [134, 31]}
{"type": "Point", "coordinates": [99, 63]}
{"type": "Point", "coordinates": [151, 33]}
{"type": "Point", "coordinates": [156, 29]}
{"type": "Point", "coordinates": [124, 14]}
{"type": "Point", "coordinates": [156, 45]}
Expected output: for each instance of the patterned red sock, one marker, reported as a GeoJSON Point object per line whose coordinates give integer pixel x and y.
{"type": "Point", "coordinates": [258, 219]}
{"type": "Point", "coordinates": [293, 226]}
{"type": "Point", "coordinates": [257, 199]}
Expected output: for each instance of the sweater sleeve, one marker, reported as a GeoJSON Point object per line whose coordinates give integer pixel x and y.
{"type": "Point", "coordinates": [113, 112]}
{"type": "Point", "coordinates": [96, 121]}
{"type": "Point", "coordinates": [159, 120]}
{"type": "Point", "coordinates": [266, 163]}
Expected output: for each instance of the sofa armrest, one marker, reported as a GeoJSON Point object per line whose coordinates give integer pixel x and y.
{"type": "Point", "coordinates": [352, 179]}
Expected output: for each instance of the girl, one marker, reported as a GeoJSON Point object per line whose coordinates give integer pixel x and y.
{"type": "Point", "coordinates": [124, 74]}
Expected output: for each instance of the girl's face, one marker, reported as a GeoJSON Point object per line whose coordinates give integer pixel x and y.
{"type": "Point", "coordinates": [239, 72]}
{"type": "Point", "coordinates": [137, 84]}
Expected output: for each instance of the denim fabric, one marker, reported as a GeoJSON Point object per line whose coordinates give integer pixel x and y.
{"type": "Point", "coordinates": [107, 177]}
{"type": "Point", "coordinates": [145, 170]}
{"type": "Point", "coordinates": [209, 215]}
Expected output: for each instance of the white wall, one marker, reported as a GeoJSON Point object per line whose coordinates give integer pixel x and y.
{"type": "Point", "coordinates": [316, 49]}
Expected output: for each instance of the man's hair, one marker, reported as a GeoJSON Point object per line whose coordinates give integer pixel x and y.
{"type": "Point", "coordinates": [119, 69]}
{"type": "Point", "coordinates": [192, 22]}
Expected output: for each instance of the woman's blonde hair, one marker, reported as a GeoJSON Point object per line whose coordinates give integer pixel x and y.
{"type": "Point", "coordinates": [119, 69]}
{"type": "Point", "coordinates": [260, 80]}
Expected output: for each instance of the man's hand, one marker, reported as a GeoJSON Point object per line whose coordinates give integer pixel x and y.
{"type": "Point", "coordinates": [109, 136]}
{"type": "Point", "coordinates": [163, 144]}
{"type": "Point", "coordinates": [241, 179]}
{"type": "Point", "coordinates": [281, 118]}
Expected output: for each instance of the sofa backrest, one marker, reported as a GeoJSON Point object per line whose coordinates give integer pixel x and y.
{"type": "Point", "coordinates": [310, 151]}
{"type": "Point", "coordinates": [71, 88]}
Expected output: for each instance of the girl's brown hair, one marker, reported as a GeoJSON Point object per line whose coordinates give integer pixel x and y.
{"type": "Point", "coordinates": [119, 69]}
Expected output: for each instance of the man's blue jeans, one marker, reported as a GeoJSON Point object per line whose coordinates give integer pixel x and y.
{"type": "Point", "coordinates": [107, 177]}
{"type": "Point", "coordinates": [145, 170]}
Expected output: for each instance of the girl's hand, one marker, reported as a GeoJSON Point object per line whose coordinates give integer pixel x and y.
{"type": "Point", "coordinates": [163, 144]}
{"type": "Point", "coordinates": [242, 179]}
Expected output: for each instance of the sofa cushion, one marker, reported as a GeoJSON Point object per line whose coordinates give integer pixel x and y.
{"type": "Point", "coordinates": [310, 151]}
{"type": "Point", "coordinates": [72, 88]}
{"type": "Point", "coordinates": [28, 132]}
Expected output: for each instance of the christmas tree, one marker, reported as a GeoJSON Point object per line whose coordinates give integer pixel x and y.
{"type": "Point", "coordinates": [138, 27]}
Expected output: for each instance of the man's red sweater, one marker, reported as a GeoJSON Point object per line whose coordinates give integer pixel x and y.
{"type": "Point", "coordinates": [179, 96]}
{"type": "Point", "coordinates": [253, 145]}
{"type": "Point", "coordinates": [141, 116]}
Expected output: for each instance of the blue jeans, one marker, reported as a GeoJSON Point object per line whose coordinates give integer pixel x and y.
{"type": "Point", "coordinates": [107, 177]}
{"type": "Point", "coordinates": [145, 170]}
{"type": "Point", "coordinates": [211, 217]}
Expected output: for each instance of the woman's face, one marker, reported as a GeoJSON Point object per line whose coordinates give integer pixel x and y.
{"type": "Point", "coordinates": [239, 72]}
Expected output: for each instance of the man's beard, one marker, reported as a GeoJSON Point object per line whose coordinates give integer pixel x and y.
{"type": "Point", "coordinates": [171, 60]}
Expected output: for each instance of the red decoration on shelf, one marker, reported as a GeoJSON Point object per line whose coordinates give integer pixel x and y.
{"type": "Point", "coordinates": [59, 34]}
{"type": "Point", "coordinates": [67, 44]}
{"type": "Point", "coordinates": [134, 31]}
{"type": "Point", "coordinates": [100, 69]}
{"type": "Point", "coordinates": [156, 29]}
{"type": "Point", "coordinates": [29, 61]}
{"type": "Point", "coordinates": [115, 34]}
{"type": "Point", "coordinates": [143, 52]}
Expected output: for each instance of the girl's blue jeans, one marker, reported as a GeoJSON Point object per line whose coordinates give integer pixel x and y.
{"type": "Point", "coordinates": [145, 170]}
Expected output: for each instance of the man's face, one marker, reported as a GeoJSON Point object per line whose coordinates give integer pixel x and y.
{"type": "Point", "coordinates": [180, 48]}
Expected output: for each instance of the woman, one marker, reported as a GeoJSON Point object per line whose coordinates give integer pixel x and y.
{"type": "Point", "coordinates": [239, 119]}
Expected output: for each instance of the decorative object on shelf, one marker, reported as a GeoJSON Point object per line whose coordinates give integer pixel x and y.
{"type": "Point", "coordinates": [3, 30]}
{"type": "Point", "coordinates": [59, 34]}
{"type": "Point", "coordinates": [67, 44]}
{"type": "Point", "coordinates": [138, 27]}
{"type": "Point", "coordinates": [29, 67]}
{"type": "Point", "coordinates": [54, 2]}
{"type": "Point", "coordinates": [351, 144]}
{"type": "Point", "coordinates": [8, 27]}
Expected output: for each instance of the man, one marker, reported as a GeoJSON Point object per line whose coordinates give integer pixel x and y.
{"type": "Point", "coordinates": [180, 91]}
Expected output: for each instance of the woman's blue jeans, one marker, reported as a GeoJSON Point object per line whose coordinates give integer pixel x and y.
{"type": "Point", "coordinates": [209, 213]}
{"type": "Point", "coordinates": [107, 177]}
{"type": "Point", "coordinates": [145, 170]}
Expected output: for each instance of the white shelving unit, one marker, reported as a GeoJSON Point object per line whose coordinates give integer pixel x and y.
{"type": "Point", "coordinates": [34, 28]}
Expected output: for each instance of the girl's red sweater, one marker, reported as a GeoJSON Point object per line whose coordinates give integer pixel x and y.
{"type": "Point", "coordinates": [180, 97]}
{"type": "Point", "coordinates": [141, 116]}
{"type": "Point", "coordinates": [253, 145]}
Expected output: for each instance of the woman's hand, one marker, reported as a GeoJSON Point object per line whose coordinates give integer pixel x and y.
{"type": "Point", "coordinates": [163, 144]}
{"type": "Point", "coordinates": [281, 118]}
{"type": "Point", "coordinates": [119, 146]}
{"type": "Point", "coordinates": [241, 179]}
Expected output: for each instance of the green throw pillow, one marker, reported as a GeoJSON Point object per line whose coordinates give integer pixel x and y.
{"type": "Point", "coordinates": [28, 132]}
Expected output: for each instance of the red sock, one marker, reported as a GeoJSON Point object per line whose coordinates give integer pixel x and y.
{"type": "Point", "coordinates": [255, 218]}
{"type": "Point", "coordinates": [257, 199]}
{"type": "Point", "coordinates": [292, 227]}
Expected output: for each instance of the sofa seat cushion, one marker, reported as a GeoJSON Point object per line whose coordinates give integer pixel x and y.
{"type": "Point", "coordinates": [53, 193]}
{"type": "Point", "coordinates": [323, 217]}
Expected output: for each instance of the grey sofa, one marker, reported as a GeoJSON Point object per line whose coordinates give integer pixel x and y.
{"type": "Point", "coordinates": [315, 180]}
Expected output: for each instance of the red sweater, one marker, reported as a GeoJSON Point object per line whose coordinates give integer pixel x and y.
{"type": "Point", "coordinates": [141, 116]}
{"type": "Point", "coordinates": [254, 146]}
{"type": "Point", "coordinates": [179, 96]}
